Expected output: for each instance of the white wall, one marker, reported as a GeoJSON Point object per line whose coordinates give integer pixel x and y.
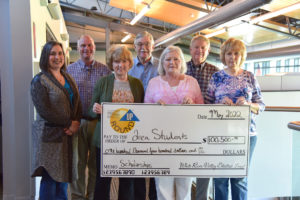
{"type": "Point", "coordinates": [42, 18]}
{"type": "Point", "coordinates": [271, 168]}
{"type": "Point", "coordinates": [270, 172]}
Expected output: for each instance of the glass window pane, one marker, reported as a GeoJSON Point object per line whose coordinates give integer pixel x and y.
{"type": "Point", "coordinates": [286, 65]}
{"type": "Point", "coordinates": [278, 65]}
{"type": "Point", "coordinates": [296, 65]}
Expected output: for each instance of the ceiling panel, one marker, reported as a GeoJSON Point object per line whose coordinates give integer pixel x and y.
{"type": "Point", "coordinates": [164, 10]}
{"type": "Point", "coordinates": [278, 4]}
{"type": "Point", "coordinates": [182, 12]}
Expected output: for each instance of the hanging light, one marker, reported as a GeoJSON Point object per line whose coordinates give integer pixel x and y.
{"type": "Point", "coordinates": [140, 15]}
{"type": "Point", "coordinates": [126, 38]}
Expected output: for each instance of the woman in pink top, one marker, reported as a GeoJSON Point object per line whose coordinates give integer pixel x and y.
{"type": "Point", "coordinates": [173, 87]}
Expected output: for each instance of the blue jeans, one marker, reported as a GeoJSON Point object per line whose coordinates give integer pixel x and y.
{"type": "Point", "coordinates": [51, 189]}
{"type": "Point", "coordinates": [239, 188]}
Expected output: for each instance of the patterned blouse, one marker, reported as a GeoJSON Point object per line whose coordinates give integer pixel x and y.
{"type": "Point", "coordinates": [122, 92]}
{"type": "Point", "coordinates": [245, 85]}
{"type": "Point", "coordinates": [158, 89]}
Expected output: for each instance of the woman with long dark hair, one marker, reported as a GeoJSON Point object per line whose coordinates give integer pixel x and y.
{"type": "Point", "coordinates": [56, 99]}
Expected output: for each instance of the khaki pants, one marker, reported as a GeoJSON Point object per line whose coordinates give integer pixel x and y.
{"type": "Point", "coordinates": [80, 190]}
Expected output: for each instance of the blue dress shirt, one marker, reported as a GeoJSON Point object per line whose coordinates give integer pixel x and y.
{"type": "Point", "coordinates": [144, 72]}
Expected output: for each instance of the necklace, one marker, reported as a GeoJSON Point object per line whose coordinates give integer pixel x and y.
{"type": "Point", "coordinates": [60, 79]}
{"type": "Point", "coordinates": [58, 76]}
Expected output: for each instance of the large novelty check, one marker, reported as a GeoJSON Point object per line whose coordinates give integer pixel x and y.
{"type": "Point", "coordinates": [140, 140]}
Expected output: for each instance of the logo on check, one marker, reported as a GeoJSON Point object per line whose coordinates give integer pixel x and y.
{"type": "Point", "coordinates": [123, 120]}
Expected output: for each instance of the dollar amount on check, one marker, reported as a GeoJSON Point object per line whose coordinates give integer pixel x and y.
{"type": "Point", "coordinates": [146, 140]}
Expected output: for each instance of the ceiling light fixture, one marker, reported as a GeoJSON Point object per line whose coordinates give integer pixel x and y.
{"type": "Point", "coordinates": [54, 10]}
{"type": "Point", "coordinates": [126, 38]}
{"type": "Point", "coordinates": [140, 15]}
{"type": "Point", "coordinates": [272, 14]}
{"type": "Point", "coordinates": [219, 32]}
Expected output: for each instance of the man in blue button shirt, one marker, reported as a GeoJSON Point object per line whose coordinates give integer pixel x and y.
{"type": "Point", "coordinates": [145, 65]}
{"type": "Point", "coordinates": [144, 68]}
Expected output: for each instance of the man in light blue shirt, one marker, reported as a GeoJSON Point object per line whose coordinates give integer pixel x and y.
{"type": "Point", "coordinates": [145, 65]}
{"type": "Point", "coordinates": [144, 68]}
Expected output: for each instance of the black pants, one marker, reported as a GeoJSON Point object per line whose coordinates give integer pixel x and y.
{"type": "Point", "coordinates": [129, 188]}
{"type": "Point", "coordinates": [140, 186]}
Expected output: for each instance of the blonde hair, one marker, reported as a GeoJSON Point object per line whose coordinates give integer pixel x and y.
{"type": "Point", "coordinates": [236, 45]}
{"type": "Point", "coordinates": [118, 52]}
{"type": "Point", "coordinates": [161, 70]}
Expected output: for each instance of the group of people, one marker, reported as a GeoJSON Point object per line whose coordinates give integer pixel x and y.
{"type": "Point", "coordinates": [66, 132]}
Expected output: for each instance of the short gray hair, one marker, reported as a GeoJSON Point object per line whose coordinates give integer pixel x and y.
{"type": "Point", "coordinates": [143, 34]}
{"type": "Point", "coordinates": [201, 38]}
{"type": "Point", "coordinates": [161, 70]}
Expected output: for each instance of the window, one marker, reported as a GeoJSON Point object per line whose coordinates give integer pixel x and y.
{"type": "Point", "coordinates": [265, 67]}
{"type": "Point", "coordinates": [257, 69]}
{"type": "Point", "coordinates": [286, 65]}
{"type": "Point", "coordinates": [296, 65]}
{"type": "Point", "coordinates": [278, 65]}
{"type": "Point", "coordinates": [246, 65]}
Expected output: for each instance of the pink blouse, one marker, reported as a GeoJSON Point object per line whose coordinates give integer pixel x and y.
{"type": "Point", "coordinates": [158, 89]}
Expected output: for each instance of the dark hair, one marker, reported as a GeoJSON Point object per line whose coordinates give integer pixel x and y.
{"type": "Point", "coordinates": [44, 59]}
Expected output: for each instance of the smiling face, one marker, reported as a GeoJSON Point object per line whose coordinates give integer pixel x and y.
{"type": "Point", "coordinates": [56, 58]}
{"type": "Point", "coordinates": [233, 53]}
{"type": "Point", "coordinates": [86, 48]}
{"type": "Point", "coordinates": [172, 63]}
{"type": "Point", "coordinates": [199, 51]}
{"type": "Point", "coordinates": [233, 58]}
{"type": "Point", "coordinates": [143, 47]}
{"type": "Point", "coordinates": [121, 67]}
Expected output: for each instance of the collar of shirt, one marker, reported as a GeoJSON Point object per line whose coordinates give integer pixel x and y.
{"type": "Point", "coordinates": [198, 67]}
{"type": "Point", "coordinates": [138, 63]}
{"type": "Point", "coordinates": [86, 67]}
